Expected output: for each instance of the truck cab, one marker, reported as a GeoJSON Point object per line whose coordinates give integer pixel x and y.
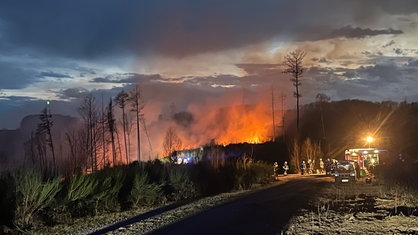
{"type": "Point", "coordinates": [345, 172]}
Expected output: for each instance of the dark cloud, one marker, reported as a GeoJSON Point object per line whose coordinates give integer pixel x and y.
{"type": "Point", "coordinates": [40, 37]}
{"type": "Point", "coordinates": [357, 32]}
{"type": "Point", "coordinates": [14, 77]}
{"type": "Point", "coordinates": [321, 60]}
{"type": "Point", "coordinates": [219, 80]}
{"type": "Point", "coordinates": [413, 63]}
{"type": "Point", "coordinates": [87, 29]}
{"type": "Point", "coordinates": [398, 51]}
{"type": "Point", "coordinates": [127, 78]}
{"type": "Point", "coordinates": [381, 73]}
{"type": "Point", "coordinates": [54, 75]}
{"type": "Point", "coordinates": [389, 44]}
{"type": "Point", "coordinates": [73, 93]}
{"type": "Point", "coordinates": [259, 68]}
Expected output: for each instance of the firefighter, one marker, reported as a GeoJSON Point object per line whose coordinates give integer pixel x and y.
{"type": "Point", "coordinates": [302, 168]}
{"type": "Point", "coordinates": [321, 166]}
{"type": "Point", "coordinates": [285, 168]}
{"type": "Point", "coordinates": [275, 169]}
{"type": "Point", "coordinates": [308, 167]}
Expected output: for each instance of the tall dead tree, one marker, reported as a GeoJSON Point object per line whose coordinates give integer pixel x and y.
{"type": "Point", "coordinates": [137, 104]}
{"type": "Point", "coordinates": [89, 114]}
{"type": "Point", "coordinates": [121, 100]}
{"type": "Point", "coordinates": [44, 128]}
{"type": "Point", "coordinates": [103, 133]}
{"type": "Point", "coordinates": [293, 65]}
{"type": "Point", "coordinates": [110, 121]}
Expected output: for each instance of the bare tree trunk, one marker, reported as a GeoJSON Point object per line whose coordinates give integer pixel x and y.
{"type": "Point", "coordinates": [119, 146]}
{"type": "Point", "coordinates": [121, 99]}
{"type": "Point", "coordinates": [44, 128]}
{"type": "Point", "coordinates": [135, 99]}
{"type": "Point", "coordinates": [293, 64]}
{"type": "Point", "coordinates": [90, 116]}
{"type": "Point", "coordinates": [111, 128]}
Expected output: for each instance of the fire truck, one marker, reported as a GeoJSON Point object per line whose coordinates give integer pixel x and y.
{"type": "Point", "coordinates": [366, 158]}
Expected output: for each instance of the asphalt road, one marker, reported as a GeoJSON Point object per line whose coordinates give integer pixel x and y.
{"type": "Point", "coordinates": [263, 212]}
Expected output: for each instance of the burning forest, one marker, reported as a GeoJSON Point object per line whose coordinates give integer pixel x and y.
{"type": "Point", "coordinates": [107, 134]}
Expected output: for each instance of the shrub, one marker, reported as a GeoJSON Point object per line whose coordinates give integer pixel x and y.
{"type": "Point", "coordinates": [32, 195]}
{"type": "Point", "coordinates": [156, 171]}
{"type": "Point", "coordinates": [110, 182]}
{"type": "Point", "coordinates": [262, 172]}
{"type": "Point", "coordinates": [244, 176]}
{"type": "Point", "coordinates": [79, 195]}
{"type": "Point", "coordinates": [145, 193]}
{"type": "Point", "coordinates": [181, 184]}
{"type": "Point", "coordinates": [81, 187]}
{"type": "Point", "coordinates": [210, 180]}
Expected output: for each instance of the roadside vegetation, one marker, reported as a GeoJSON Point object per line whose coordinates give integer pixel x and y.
{"type": "Point", "coordinates": [387, 205]}
{"type": "Point", "coordinates": [32, 200]}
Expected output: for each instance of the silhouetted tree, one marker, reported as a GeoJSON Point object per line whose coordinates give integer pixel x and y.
{"type": "Point", "coordinates": [110, 121]}
{"type": "Point", "coordinates": [121, 100]}
{"type": "Point", "coordinates": [76, 140]}
{"type": "Point", "coordinates": [295, 158]}
{"type": "Point", "coordinates": [293, 65]}
{"type": "Point", "coordinates": [172, 141]}
{"type": "Point", "coordinates": [89, 114]}
{"type": "Point", "coordinates": [45, 128]}
{"type": "Point", "coordinates": [137, 104]}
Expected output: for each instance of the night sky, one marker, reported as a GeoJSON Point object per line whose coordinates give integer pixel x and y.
{"type": "Point", "coordinates": [193, 53]}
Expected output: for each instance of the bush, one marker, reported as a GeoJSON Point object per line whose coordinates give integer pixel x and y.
{"type": "Point", "coordinates": [181, 184]}
{"type": "Point", "coordinates": [32, 195]}
{"type": "Point", "coordinates": [244, 176]}
{"type": "Point", "coordinates": [81, 189]}
{"type": "Point", "coordinates": [262, 172]}
{"type": "Point", "coordinates": [157, 172]}
{"type": "Point", "coordinates": [110, 182]}
{"type": "Point", "coordinates": [145, 193]}
{"type": "Point", "coordinates": [210, 180]}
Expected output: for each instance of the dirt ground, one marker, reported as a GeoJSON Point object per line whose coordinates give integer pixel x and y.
{"type": "Point", "coordinates": [358, 208]}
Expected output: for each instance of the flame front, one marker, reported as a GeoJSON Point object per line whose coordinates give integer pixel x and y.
{"type": "Point", "coordinates": [245, 124]}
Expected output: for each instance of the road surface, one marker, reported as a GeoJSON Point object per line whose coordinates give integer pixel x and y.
{"type": "Point", "coordinates": [264, 212]}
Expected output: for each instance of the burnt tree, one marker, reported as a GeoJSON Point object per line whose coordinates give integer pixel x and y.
{"type": "Point", "coordinates": [293, 65]}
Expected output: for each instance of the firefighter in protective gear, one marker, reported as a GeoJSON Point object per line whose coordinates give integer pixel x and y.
{"type": "Point", "coordinates": [302, 168]}
{"type": "Point", "coordinates": [321, 166]}
{"type": "Point", "coordinates": [275, 169]}
{"type": "Point", "coordinates": [285, 168]}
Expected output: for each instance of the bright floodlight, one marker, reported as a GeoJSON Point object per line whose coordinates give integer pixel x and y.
{"type": "Point", "coordinates": [369, 139]}
{"type": "Point", "coordinates": [48, 102]}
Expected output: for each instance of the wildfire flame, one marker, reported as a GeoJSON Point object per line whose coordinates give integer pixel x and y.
{"type": "Point", "coordinates": [221, 121]}
{"type": "Point", "coordinates": [245, 124]}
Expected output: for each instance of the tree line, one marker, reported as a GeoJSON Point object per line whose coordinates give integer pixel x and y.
{"type": "Point", "coordinates": [96, 142]}
{"type": "Point", "coordinates": [328, 128]}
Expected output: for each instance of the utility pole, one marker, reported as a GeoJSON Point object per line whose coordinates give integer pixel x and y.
{"type": "Point", "coordinates": [283, 118]}
{"type": "Point", "coordinates": [272, 111]}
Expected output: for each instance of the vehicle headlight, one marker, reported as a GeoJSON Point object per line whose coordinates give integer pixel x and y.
{"type": "Point", "coordinates": [336, 174]}
{"type": "Point", "coordinates": [352, 174]}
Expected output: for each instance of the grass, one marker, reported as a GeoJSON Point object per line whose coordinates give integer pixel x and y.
{"type": "Point", "coordinates": [42, 202]}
